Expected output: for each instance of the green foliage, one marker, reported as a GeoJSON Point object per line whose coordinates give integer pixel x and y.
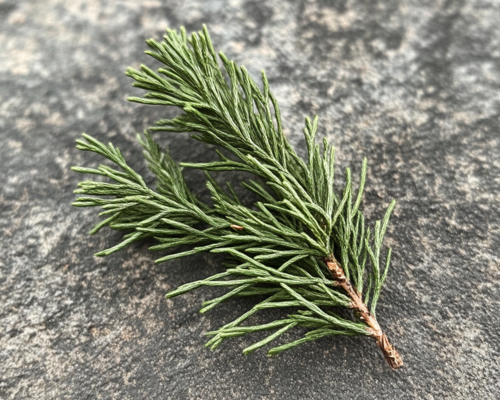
{"type": "Point", "coordinates": [276, 248]}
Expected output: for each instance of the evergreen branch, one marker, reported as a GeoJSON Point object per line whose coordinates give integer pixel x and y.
{"type": "Point", "coordinates": [300, 246]}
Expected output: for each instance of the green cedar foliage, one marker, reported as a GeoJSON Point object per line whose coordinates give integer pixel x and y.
{"type": "Point", "coordinates": [276, 249]}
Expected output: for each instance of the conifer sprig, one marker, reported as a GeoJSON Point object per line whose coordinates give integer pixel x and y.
{"type": "Point", "coordinates": [300, 246]}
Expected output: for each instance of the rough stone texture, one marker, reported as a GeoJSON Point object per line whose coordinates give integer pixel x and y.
{"type": "Point", "coordinates": [413, 85]}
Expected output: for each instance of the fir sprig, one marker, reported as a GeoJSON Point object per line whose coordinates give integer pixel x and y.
{"type": "Point", "coordinates": [300, 247]}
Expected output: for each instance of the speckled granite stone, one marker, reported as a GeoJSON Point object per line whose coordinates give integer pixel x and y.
{"type": "Point", "coordinates": [413, 85]}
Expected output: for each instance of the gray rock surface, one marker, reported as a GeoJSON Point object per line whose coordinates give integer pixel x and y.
{"type": "Point", "coordinates": [413, 85]}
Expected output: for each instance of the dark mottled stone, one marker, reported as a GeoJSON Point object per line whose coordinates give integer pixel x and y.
{"type": "Point", "coordinates": [413, 85]}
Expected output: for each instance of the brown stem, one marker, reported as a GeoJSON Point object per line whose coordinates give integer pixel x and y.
{"type": "Point", "coordinates": [390, 354]}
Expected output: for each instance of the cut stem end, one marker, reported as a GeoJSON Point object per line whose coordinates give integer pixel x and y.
{"type": "Point", "coordinates": [390, 354]}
